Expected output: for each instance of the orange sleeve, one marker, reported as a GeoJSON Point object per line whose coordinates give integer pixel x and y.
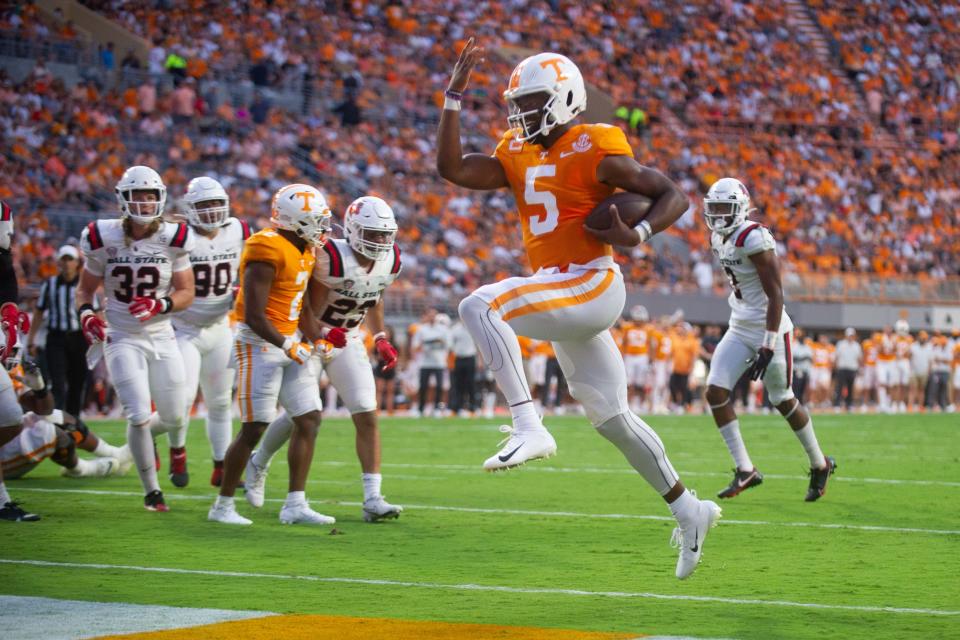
{"type": "Point", "coordinates": [507, 147]}
{"type": "Point", "coordinates": [610, 141]}
{"type": "Point", "coordinates": [258, 248]}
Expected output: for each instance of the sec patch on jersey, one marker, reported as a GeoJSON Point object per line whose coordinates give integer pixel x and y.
{"type": "Point", "coordinates": [632, 208]}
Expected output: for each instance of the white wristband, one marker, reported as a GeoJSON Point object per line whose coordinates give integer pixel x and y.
{"type": "Point", "coordinates": [380, 335]}
{"type": "Point", "coordinates": [769, 340]}
{"type": "Point", "coordinates": [287, 344]}
{"type": "Point", "coordinates": [645, 230]}
{"type": "Point", "coordinates": [449, 104]}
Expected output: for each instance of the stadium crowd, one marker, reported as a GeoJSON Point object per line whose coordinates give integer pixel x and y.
{"type": "Point", "coordinates": [369, 110]}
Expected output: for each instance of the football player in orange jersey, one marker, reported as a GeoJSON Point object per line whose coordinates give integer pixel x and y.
{"type": "Point", "coordinates": [635, 346]}
{"type": "Point", "coordinates": [271, 355]}
{"type": "Point", "coordinates": [559, 172]}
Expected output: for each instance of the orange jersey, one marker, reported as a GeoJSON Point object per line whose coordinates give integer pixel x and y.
{"type": "Point", "coordinates": [821, 355]}
{"type": "Point", "coordinates": [886, 345]}
{"type": "Point", "coordinates": [636, 339]}
{"type": "Point", "coordinates": [956, 354]}
{"type": "Point", "coordinates": [292, 271]}
{"type": "Point", "coordinates": [556, 188]}
{"type": "Point", "coordinates": [526, 346]}
{"type": "Point", "coordinates": [544, 348]}
{"type": "Point", "coordinates": [903, 347]}
{"type": "Point", "coordinates": [664, 344]}
{"type": "Point", "coordinates": [869, 352]}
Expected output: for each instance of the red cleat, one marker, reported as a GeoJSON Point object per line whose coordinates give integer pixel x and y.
{"type": "Point", "coordinates": [178, 467]}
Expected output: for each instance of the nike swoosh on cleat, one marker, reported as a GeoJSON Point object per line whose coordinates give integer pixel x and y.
{"type": "Point", "coordinates": [509, 455]}
{"type": "Point", "coordinates": [696, 537]}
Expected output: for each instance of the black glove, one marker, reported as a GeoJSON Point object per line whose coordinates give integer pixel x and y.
{"type": "Point", "coordinates": [760, 363]}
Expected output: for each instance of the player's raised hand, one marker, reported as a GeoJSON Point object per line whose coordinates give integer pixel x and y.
{"type": "Point", "coordinates": [618, 233]}
{"type": "Point", "coordinates": [471, 55]}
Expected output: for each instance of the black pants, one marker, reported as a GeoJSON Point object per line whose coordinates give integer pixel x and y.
{"type": "Point", "coordinates": [462, 385]}
{"type": "Point", "coordinates": [845, 378]}
{"type": "Point", "coordinates": [680, 388]}
{"type": "Point", "coordinates": [66, 354]}
{"type": "Point", "coordinates": [937, 388]}
{"type": "Point", "coordinates": [425, 374]}
{"type": "Point", "coordinates": [800, 382]}
{"type": "Point", "coordinates": [554, 371]}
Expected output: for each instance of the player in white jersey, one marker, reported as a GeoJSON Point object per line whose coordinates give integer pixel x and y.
{"type": "Point", "coordinates": [349, 278]}
{"type": "Point", "coordinates": [203, 331]}
{"type": "Point", "coordinates": [143, 264]}
{"type": "Point", "coordinates": [758, 338]}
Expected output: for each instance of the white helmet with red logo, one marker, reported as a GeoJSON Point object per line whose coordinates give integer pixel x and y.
{"type": "Point", "coordinates": [302, 209]}
{"type": "Point", "coordinates": [727, 205]}
{"type": "Point", "coordinates": [370, 227]}
{"type": "Point", "coordinates": [559, 79]}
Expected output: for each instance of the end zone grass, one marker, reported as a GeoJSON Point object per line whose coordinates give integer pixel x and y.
{"type": "Point", "coordinates": [575, 542]}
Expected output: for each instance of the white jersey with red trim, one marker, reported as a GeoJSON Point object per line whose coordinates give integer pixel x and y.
{"type": "Point", "coordinates": [748, 301]}
{"type": "Point", "coordinates": [215, 261]}
{"type": "Point", "coordinates": [354, 289]}
{"type": "Point", "coordinates": [135, 268]}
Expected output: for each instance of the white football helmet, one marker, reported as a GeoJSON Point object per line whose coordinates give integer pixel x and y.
{"type": "Point", "coordinates": [638, 313]}
{"type": "Point", "coordinates": [366, 219]}
{"type": "Point", "coordinates": [206, 190]}
{"type": "Point", "coordinates": [302, 209]}
{"type": "Point", "coordinates": [140, 178]}
{"type": "Point", "coordinates": [902, 327]}
{"type": "Point", "coordinates": [559, 79]}
{"type": "Point", "coordinates": [727, 205]}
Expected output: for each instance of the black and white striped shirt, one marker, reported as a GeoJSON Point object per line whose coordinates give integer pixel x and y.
{"type": "Point", "coordinates": [58, 299]}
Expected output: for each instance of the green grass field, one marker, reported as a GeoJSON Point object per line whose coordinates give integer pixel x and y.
{"type": "Point", "coordinates": [578, 541]}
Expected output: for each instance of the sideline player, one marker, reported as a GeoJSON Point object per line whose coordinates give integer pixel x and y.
{"type": "Point", "coordinates": [635, 347]}
{"type": "Point", "coordinates": [143, 264]}
{"type": "Point", "coordinates": [759, 336]}
{"type": "Point", "coordinates": [559, 172]}
{"type": "Point", "coordinates": [271, 355]}
{"type": "Point", "coordinates": [349, 279]}
{"type": "Point", "coordinates": [203, 331]}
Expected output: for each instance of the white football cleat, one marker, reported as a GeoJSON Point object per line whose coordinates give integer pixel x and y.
{"type": "Point", "coordinates": [255, 482]}
{"type": "Point", "coordinates": [303, 514]}
{"type": "Point", "coordinates": [96, 468]}
{"type": "Point", "coordinates": [520, 447]}
{"type": "Point", "coordinates": [226, 514]}
{"type": "Point", "coordinates": [377, 508]}
{"type": "Point", "coordinates": [689, 538]}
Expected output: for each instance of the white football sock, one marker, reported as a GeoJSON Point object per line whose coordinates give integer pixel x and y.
{"type": "Point", "coordinates": [107, 450]}
{"type": "Point", "coordinates": [371, 485]}
{"type": "Point", "coordinates": [273, 439]}
{"type": "Point", "coordinates": [525, 417]}
{"type": "Point", "coordinates": [685, 507]}
{"type": "Point", "coordinates": [224, 502]}
{"type": "Point", "coordinates": [219, 428]}
{"type": "Point", "coordinates": [84, 468]}
{"type": "Point", "coordinates": [141, 448]}
{"type": "Point", "coordinates": [738, 450]}
{"type": "Point", "coordinates": [808, 439]}
{"type": "Point", "coordinates": [4, 496]}
{"type": "Point", "coordinates": [295, 498]}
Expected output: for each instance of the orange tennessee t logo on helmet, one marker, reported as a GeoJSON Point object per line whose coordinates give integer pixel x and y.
{"type": "Point", "coordinates": [555, 63]}
{"type": "Point", "coordinates": [306, 195]}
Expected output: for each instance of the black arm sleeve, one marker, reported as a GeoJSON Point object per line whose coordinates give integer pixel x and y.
{"type": "Point", "coordinates": [8, 279]}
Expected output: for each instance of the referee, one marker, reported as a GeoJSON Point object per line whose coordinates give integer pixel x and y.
{"type": "Point", "coordinates": [65, 347]}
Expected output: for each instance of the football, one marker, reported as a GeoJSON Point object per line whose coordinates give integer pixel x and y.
{"type": "Point", "coordinates": [632, 208]}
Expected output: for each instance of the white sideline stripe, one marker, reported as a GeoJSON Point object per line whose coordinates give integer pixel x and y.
{"type": "Point", "coordinates": [554, 514]}
{"type": "Point", "coordinates": [495, 588]}
{"type": "Point", "coordinates": [625, 471]}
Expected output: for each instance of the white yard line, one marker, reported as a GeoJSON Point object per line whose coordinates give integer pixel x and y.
{"type": "Point", "coordinates": [626, 471]}
{"type": "Point", "coordinates": [552, 514]}
{"type": "Point", "coordinates": [490, 588]}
